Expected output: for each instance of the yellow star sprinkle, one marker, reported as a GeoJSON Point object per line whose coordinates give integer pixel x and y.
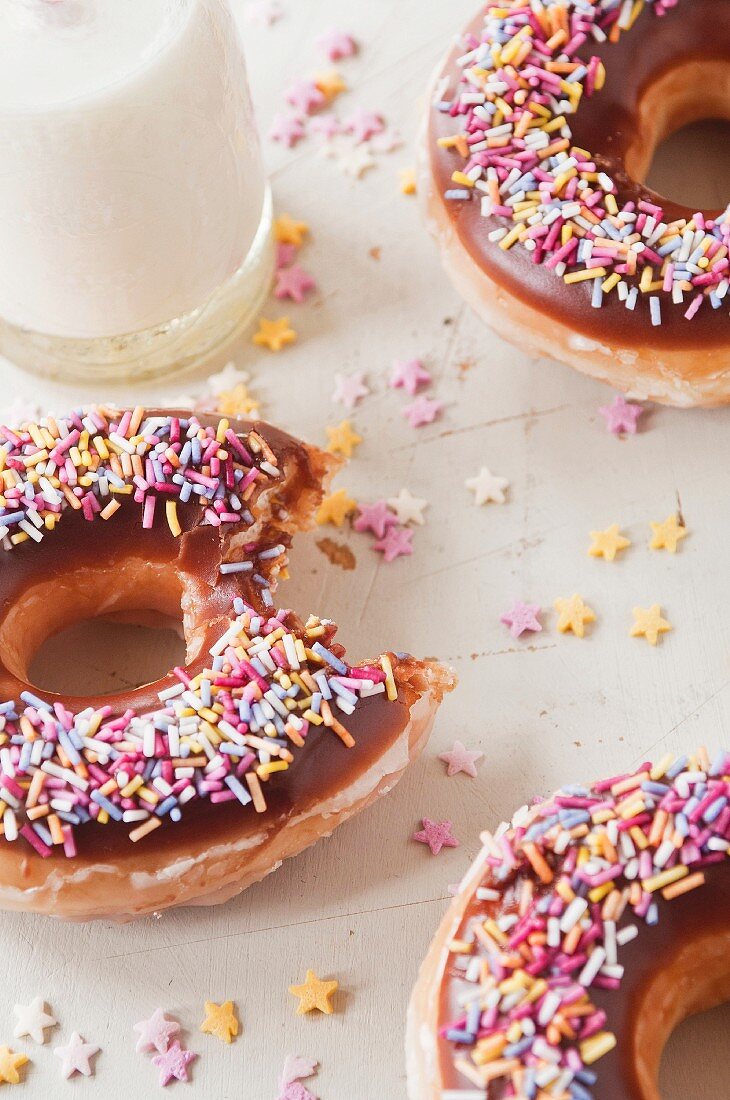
{"type": "Point", "coordinates": [606, 544]}
{"type": "Point", "coordinates": [289, 231]}
{"type": "Point", "coordinates": [314, 993]}
{"type": "Point", "coordinates": [220, 1020]}
{"type": "Point", "coordinates": [274, 335]}
{"type": "Point", "coordinates": [573, 614]}
{"type": "Point", "coordinates": [335, 508]}
{"type": "Point", "coordinates": [649, 623]}
{"type": "Point", "coordinates": [237, 402]}
{"type": "Point", "coordinates": [407, 178]}
{"type": "Point", "coordinates": [10, 1062]}
{"type": "Point", "coordinates": [667, 535]}
{"type": "Point", "coordinates": [342, 439]}
{"type": "Point", "coordinates": [330, 83]}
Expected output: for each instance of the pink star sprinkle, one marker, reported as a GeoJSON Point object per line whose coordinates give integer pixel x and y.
{"type": "Point", "coordinates": [336, 44]}
{"type": "Point", "coordinates": [387, 141]}
{"type": "Point", "coordinates": [155, 1033]}
{"type": "Point", "coordinates": [423, 410]}
{"type": "Point", "coordinates": [363, 124]}
{"type": "Point", "coordinates": [293, 282]}
{"type": "Point", "coordinates": [173, 1063]}
{"type": "Point", "coordinates": [285, 253]}
{"type": "Point", "coordinates": [327, 126]}
{"type": "Point", "coordinates": [437, 834]}
{"type": "Point", "coordinates": [521, 617]}
{"type": "Point", "coordinates": [621, 417]}
{"type": "Point", "coordinates": [461, 759]}
{"type": "Point", "coordinates": [376, 518]}
{"type": "Point", "coordinates": [305, 96]}
{"type": "Point", "coordinates": [349, 389]}
{"type": "Point", "coordinates": [295, 1090]}
{"type": "Point", "coordinates": [286, 129]}
{"type": "Point", "coordinates": [396, 542]}
{"type": "Point", "coordinates": [409, 374]}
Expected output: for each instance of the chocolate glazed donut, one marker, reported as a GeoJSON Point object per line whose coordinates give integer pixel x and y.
{"type": "Point", "coordinates": [663, 73]}
{"type": "Point", "coordinates": [95, 816]}
{"type": "Point", "coordinates": [581, 936]}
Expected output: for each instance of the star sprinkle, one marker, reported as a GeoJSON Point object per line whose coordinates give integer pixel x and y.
{"type": "Point", "coordinates": [621, 417]}
{"type": "Point", "coordinates": [304, 96]}
{"type": "Point", "coordinates": [286, 129]}
{"type": "Point", "coordinates": [326, 126]}
{"type": "Point", "coordinates": [285, 254]}
{"type": "Point", "coordinates": [407, 177]}
{"type": "Point", "coordinates": [395, 543]}
{"type": "Point", "coordinates": [387, 141]}
{"type": "Point", "coordinates": [437, 834]}
{"type": "Point", "coordinates": [32, 1020]}
{"type": "Point", "coordinates": [522, 617]}
{"type": "Point", "coordinates": [10, 1063]}
{"type": "Point", "coordinates": [342, 439]}
{"type": "Point", "coordinates": [409, 374]}
{"type": "Point", "coordinates": [363, 124]}
{"type": "Point", "coordinates": [173, 1063]}
{"type": "Point", "coordinates": [76, 1056]}
{"type": "Point", "coordinates": [314, 993]}
{"type": "Point", "coordinates": [293, 282]}
{"type": "Point", "coordinates": [295, 1090]}
{"type": "Point", "coordinates": [336, 44]}
{"type": "Point", "coordinates": [487, 486]}
{"type": "Point", "coordinates": [237, 402]}
{"type": "Point", "coordinates": [288, 230]}
{"type": "Point", "coordinates": [649, 623]}
{"type": "Point", "coordinates": [349, 389]}
{"type": "Point", "coordinates": [155, 1033]}
{"type": "Point", "coordinates": [375, 517]}
{"type": "Point", "coordinates": [356, 162]}
{"type": "Point", "coordinates": [274, 335]}
{"type": "Point", "coordinates": [408, 509]}
{"type": "Point", "coordinates": [220, 1020]}
{"type": "Point", "coordinates": [667, 535]}
{"type": "Point", "coordinates": [296, 1068]}
{"type": "Point", "coordinates": [263, 12]}
{"type": "Point", "coordinates": [335, 508]}
{"type": "Point", "coordinates": [330, 84]}
{"type": "Point", "coordinates": [573, 615]}
{"type": "Point", "coordinates": [226, 379]}
{"type": "Point", "coordinates": [606, 544]}
{"type": "Point", "coordinates": [422, 411]}
{"type": "Point", "coordinates": [461, 759]}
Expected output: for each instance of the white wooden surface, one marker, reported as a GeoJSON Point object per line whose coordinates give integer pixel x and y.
{"type": "Point", "coordinates": [362, 906]}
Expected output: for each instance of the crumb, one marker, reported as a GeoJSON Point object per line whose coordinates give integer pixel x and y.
{"type": "Point", "coordinates": [337, 553]}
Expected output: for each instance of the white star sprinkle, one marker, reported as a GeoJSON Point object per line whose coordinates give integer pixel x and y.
{"type": "Point", "coordinates": [32, 1020]}
{"type": "Point", "coordinates": [409, 509]}
{"type": "Point", "coordinates": [487, 486]}
{"type": "Point", "coordinates": [356, 162]}
{"type": "Point", "coordinates": [76, 1056]}
{"type": "Point", "coordinates": [227, 379]}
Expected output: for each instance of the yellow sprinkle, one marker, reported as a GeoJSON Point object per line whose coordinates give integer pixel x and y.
{"type": "Point", "coordinates": [172, 521]}
{"type": "Point", "coordinates": [664, 878]}
{"type": "Point", "coordinates": [594, 1048]}
{"type": "Point", "coordinates": [391, 689]}
{"type": "Point", "coordinates": [582, 276]}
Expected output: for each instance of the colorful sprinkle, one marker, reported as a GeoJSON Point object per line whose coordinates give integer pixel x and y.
{"type": "Point", "coordinates": [436, 834]}
{"type": "Point", "coordinates": [342, 439]}
{"type": "Point", "coordinates": [409, 374]}
{"type": "Point", "coordinates": [607, 544]}
{"type": "Point", "coordinates": [522, 617]}
{"type": "Point", "coordinates": [375, 517]}
{"type": "Point", "coordinates": [173, 1063]}
{"type": "Point", "coordinates": [407, 181]}
{"type": "Point", "coordinates": [336, 44]}
{"type": "Point", "coordinates": [274, 335]}
{"type": "Point", "coordinates": [621, 417]}
{"type": "Point", "coordinates": [350, 389]}
{"type": "Point", "coordinates": [314, 993]}
{"type": "Point", "coordinates": [293, 282]}
{"type": "Point", "coordinates": [10, 1063]}
{"type": "Point", "coordinates": [396, 542]}
{"type": "Point", "coordinates": [664, 536]}
{"type": "Point", "coordinates": [573, 614]}
{"type": "Point", "coordinates": [288, 230]}
{"type": "Point", "coordinates": [424, 410]}
{"type": "Point", "coordinates": [220, 1020]}
{"type": "Point", "coordinates": [461, 759]}
{"type": "Point", "coordinates": [648, 623]}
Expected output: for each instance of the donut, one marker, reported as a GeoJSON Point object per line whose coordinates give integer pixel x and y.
{"type": "Point", "coordinates": [583, 933]}
{"type": "Point", "coordinates": [538, 138]}
{"type": "Point", "coordinates": [188, 789]}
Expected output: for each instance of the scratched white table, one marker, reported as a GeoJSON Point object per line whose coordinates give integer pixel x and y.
{"type": "Point", "coordinates": [363, 905]}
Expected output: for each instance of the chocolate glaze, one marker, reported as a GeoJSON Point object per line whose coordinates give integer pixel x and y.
{"type": "Point", "coordinates": [605, 124]}
{"type": "Point", "coordinates": [322, 767]}
{"type": "Point", "coordinates": [704, 911]}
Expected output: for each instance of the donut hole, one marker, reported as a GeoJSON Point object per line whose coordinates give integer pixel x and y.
{"type": "Point", "coordinates": [685, 1065]}
{"type": "Point", "coordinates": [97, 631]}
{"type": "Point", "coordinates": [681, 145]}
{"type": "Point", "coordinates": [123, 652]}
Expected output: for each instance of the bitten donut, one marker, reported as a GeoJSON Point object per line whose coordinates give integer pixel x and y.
{"type": "Point", "coordinates": [582, 935]}
{"type": "Point", "coordinates": [542, 129]}
{"type": "Point", "coordinates": [193, 787]}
